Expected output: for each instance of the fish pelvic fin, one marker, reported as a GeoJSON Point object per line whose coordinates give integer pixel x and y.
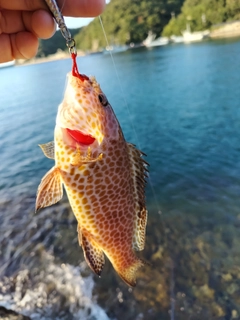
{"type": "Point", "coordinates": [50, 190]}
{"type": "Point", "coordinates": [92, 252]}
{"type": "Point", "coordinates": [128, 272]}
{"type": "Point", "coordinates": [48, 149]}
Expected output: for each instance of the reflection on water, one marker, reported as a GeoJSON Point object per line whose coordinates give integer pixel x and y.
{"type": "Point", "coordinates": [183, 103]}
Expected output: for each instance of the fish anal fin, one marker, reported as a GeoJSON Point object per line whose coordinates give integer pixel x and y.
{"type": "Point", "coordinates": [50, 190]}
{"type": "Point", "coordinates": [48, 149]}
{"type": "Point", "coordinates": [139, 173]}
{"type": "Point", "coordinates": [93, 254]}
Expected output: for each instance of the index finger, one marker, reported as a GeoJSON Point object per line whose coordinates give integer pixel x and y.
{"type": "Point", "coordinates": [71, 8]}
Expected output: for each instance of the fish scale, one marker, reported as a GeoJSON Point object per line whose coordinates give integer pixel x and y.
{"type": "Point", "coordinates": [103, 175]}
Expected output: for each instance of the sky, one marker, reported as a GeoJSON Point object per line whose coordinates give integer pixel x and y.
{"type": "Point", "coordinates": [77, 22]}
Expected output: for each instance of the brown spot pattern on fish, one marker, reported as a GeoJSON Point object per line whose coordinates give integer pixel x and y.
{"type": "Point", "coordinates": [104, 182]}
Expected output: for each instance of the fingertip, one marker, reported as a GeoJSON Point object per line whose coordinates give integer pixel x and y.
{"type": "Point", "coordinates": [83, 8]}
{"type": "Point", "coordinates": [25, 45]}
{"type": "Point", "coordinates": [5, 48]}
{"type": "Point", "coordinates": [99, 8]}
{"type": "Point", "coordinates": [43, 24]}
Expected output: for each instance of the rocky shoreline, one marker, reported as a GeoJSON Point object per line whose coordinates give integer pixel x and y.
{"type": "Point", "coordinates": [226, 30]}
{"type": "Point", "coordinates": [194, 273]}
{"type": "Point", "coordinates": [6, 314]}
{"type": "Point", "coordinates": [60, 55]}
{"type": "Point", "coordinates": [194, 269]}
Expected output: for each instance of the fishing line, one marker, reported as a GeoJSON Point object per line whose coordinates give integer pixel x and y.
{"type": "Point", "coordinates": [164, 236]}
{"type": "Point", "coordinates": [63, 4]}
{"type": "Point", "coordinates": [129, 112]}
{"type": "Point", "coordinates": [172, 293]}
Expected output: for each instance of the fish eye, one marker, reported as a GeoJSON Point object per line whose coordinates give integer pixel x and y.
{"type": "Point", "coordinates": [103, 100]}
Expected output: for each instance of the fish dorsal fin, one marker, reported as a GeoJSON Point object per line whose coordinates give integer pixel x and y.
{"type": "Point", "coordinates": [50, 190]}
{"type": "Point", "coordinates": [139, 174]}
{"type": "Point", "coordinates": [92, 253]}
{"type": "Point", "coordinates": [48, 149]}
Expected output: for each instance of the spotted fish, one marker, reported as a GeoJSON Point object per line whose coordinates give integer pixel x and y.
{"type": "Point", "coordinates": [104, 177]}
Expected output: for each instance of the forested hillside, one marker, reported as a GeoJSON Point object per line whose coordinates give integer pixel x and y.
{"type": "Point", "coordinates": [127, 21]}
{"type": "Point", "coordinates": [202, 14]}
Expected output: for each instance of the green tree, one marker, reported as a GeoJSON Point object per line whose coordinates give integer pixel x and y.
{"type": "Point", "coordinates": [233, 9]}
{"type": "Point", "coordinates": [202, 14]}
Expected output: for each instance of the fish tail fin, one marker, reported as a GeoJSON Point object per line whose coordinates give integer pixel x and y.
{"type": "Point", "coordinates": [127, 271]}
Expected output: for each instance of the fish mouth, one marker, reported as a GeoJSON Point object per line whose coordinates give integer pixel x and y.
{"type": "Point", "coordinates": [76, 136]}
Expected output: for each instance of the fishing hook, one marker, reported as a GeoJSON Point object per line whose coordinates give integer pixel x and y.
{"type": "Point", "coordinates": [70, 42]}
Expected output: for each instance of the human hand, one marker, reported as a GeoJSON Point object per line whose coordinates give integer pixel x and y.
{"type": "Point", "coordinates": [23, 22]}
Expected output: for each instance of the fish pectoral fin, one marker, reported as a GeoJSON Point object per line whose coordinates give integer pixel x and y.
{"type": "Point", "coordinates": [93, 254]}
{"type": "Point", "coordinates": [50, 190]}
{"type": "Point", "coordinates": [48, 149]}
{"type": "Point", "coordinates": [78, 159]}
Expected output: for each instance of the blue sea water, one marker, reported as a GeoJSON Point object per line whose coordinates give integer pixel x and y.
{"type": "Point", "coordinates": [180, 104]}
